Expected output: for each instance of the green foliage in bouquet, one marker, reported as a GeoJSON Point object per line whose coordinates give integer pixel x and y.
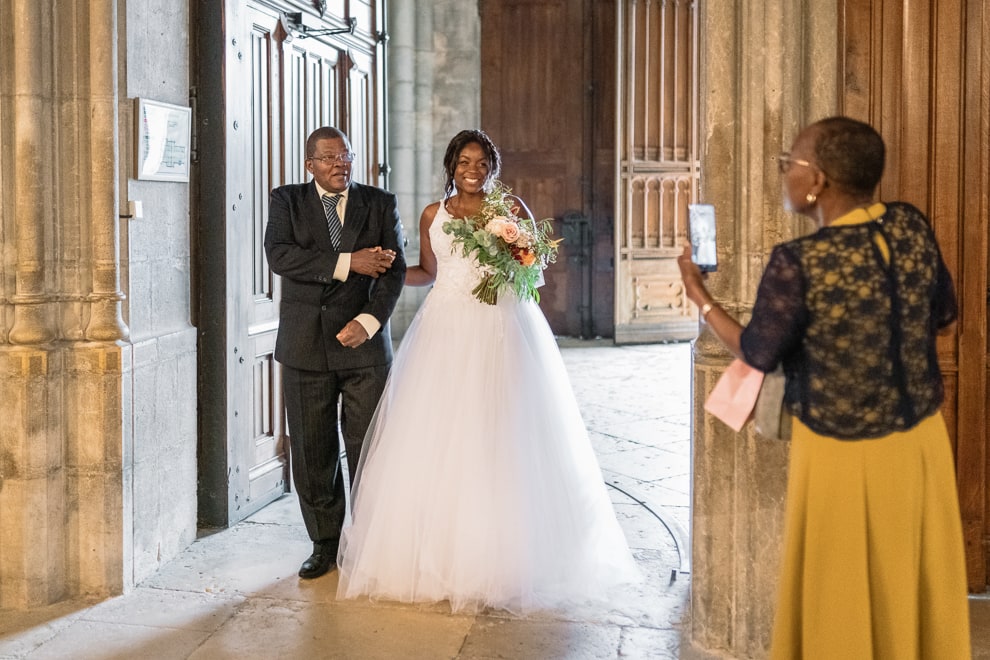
{"type": "Point", "coordinates": [511, 252]}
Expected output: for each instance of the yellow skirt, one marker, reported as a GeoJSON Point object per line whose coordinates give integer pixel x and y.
{"type": "Point", "coordinates": [873, 563]}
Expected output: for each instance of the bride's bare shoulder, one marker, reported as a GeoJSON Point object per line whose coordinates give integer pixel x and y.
{"type": "Point", "coordinates": [429, 213]}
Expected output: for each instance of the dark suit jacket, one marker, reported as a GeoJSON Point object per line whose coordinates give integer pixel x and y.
{"type": "Point", "coordinates": [315, 306]}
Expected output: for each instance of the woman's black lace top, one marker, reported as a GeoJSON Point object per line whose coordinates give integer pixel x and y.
{"type": "Point", "coordinates": [855, 331]}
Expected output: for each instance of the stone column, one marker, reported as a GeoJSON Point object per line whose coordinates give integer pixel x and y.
{"type": "Point", "coordinates": [32, 502]}
{"type": "Point", "coordinates": [33, 154]}
{"type": "Point", "coordinates": [61, 389]}
{"type": "Point", "coordinates": [402, 135]}
{"type": "Point", "coordinates": [94, 367]}
{"type": "Point", "coordinates": [780, 74]}
{"type": "Point", "coordinates": [105, 322]}
{"type": "Point", "coordinates": [431, 52]}
{"type": "Point", "coordinates": [402, 61]}
{"type": "Point", "coordinates": [32, 566]}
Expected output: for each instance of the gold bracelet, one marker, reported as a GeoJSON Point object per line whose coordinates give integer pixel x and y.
{"type": "Point", "coordinates": [706, 309]}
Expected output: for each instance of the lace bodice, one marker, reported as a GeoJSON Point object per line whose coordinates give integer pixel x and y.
{"type": "Point", "coordinates": [855, 332]}
{"type": "Point", "coordinates": [456, 274]}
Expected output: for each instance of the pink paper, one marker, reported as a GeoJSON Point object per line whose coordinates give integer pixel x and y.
{"type": "Point", "coordinates": [734, 396]}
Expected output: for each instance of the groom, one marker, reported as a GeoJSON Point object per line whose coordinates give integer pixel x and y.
{"type": "Point", "coordinates": [338, 247]}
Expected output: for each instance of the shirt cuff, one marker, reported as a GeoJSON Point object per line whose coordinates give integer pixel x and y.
{"type": "Point", "coordinates": [343, 266]}
{"type": "Point", "coordinates": [369, 323]}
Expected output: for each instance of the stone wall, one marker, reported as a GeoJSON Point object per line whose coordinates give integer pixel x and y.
{"type": "Point", "coordinates": [159, 462]}
{"type": "Point", "coordinates": [434, 91]}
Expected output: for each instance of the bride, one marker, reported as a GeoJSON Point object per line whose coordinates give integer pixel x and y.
{"type": "Point", "coordinates": [477, 482]}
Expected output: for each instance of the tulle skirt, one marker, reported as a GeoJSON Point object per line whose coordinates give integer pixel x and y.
{"type": "Point", "coordinates": [873, 563]}
{"type": "Point", "coordinates": [477, 483]}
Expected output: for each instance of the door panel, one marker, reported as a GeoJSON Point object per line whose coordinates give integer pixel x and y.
{"type": "Point", "coordinates": [258, 455]}
{"type": "Point", "coordinates": [362, 119]}
{"type": "Point", "coordinates": [311, 98]}
{"type": "Point", "coordinates": [918, 72]}
{"type": "Point", "coordinates": [659, 168]}
{"type": "Point", "coordinates": [534, 106]}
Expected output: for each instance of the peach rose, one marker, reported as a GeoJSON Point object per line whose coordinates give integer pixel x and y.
{"type": "Point", "coordinates": [510, 232]}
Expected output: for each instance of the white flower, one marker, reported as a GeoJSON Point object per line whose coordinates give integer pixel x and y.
{"type": "Point", "coordinates": [494, 225]}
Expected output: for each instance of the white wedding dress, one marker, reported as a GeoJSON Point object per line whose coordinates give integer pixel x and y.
{"type": "Point", "coordinates": [477, 482]}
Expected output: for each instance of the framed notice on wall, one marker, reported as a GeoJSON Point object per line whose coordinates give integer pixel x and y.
{"type": "Point", "coordinates": [163, 132]}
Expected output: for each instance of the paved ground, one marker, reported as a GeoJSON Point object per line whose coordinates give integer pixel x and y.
{"type": "Point", "coordinates": [235, 594]}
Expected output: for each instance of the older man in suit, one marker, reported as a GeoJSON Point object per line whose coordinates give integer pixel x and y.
{"type": "Point", "coordinates": [337, 245]}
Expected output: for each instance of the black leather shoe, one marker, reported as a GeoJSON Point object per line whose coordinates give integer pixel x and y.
{"type": "Point", "coordinates": [318, 563]}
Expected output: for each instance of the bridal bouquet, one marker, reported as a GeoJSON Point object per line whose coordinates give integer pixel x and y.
{"type": "Point", "coordinates": [511, 252]}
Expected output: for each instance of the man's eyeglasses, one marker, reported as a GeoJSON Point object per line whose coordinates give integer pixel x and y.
{"type": "Point", "coordinates": [785, 161]}
{"type": "Point", "coordinates": [346, 157]}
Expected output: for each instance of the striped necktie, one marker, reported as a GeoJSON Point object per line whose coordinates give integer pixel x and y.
{"type": "Point", "coordinates": [333, 220]}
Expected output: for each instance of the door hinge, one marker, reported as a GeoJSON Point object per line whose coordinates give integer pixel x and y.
{"type": "Point", "coordinates": [193, 153]}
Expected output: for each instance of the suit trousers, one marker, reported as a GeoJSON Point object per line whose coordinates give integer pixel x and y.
{"type": "Point", "coordinates": [323, 408]}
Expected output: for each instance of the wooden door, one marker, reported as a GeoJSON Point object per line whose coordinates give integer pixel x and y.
{"type": "Point", "coordinates": [536, 88]}
{"type": "Point", "coordinates": [659, 167]}
{"type": "Point", "coordinates": [613, 158]}
{"type": "Point", "coordinates": [242, 455]}
{"type": "Point", "coordinates": [264, 85]}
{"type": "Point", "coordinates": [918, 72]}
{"type": "Point", "coordinates": [258, 451]}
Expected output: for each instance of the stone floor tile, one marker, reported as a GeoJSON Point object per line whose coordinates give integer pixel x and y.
{"type": "Point", "coordinates": [96, 640]}
{"type": "Point", "coordinates": [650, 644]}
{"type": "Point", "coordinates": [166, 608]}
{"type": "Point", "coordinates": [240, 561]}
{"type": "Point", "coordinates": [22, 631]}
{"type": "Point", "coordinates": [979, 608]}
{"type": "Point", "coordinates": [524, 639]}
{"type": "Point", "coordinates": [314, 631]}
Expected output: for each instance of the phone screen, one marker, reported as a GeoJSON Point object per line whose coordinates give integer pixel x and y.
{"type": "Point", "coordinates": [701, 224]}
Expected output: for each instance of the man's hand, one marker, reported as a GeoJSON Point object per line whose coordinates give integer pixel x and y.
{"type": "Point", "coordinates": [372, 261]}
{"type": "Point", "coordinates": [353, 335]}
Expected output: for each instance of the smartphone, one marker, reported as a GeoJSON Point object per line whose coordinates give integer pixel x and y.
{"type": "Point", "coordinates": [701, 226]}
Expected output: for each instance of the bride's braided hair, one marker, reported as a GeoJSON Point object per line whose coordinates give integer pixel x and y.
{"type": "Point", "coordinates": [457, 143]}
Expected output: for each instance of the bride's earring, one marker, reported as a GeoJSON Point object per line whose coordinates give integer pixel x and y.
{"type": "Point", "coordinates": [811, 197]}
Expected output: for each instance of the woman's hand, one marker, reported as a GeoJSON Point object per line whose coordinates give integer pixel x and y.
{"type": "Point", "coordinates": [724, 326]}
{"type": "Point", "coordinates": [693, 278]}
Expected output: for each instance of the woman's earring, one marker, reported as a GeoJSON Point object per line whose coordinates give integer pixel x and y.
{"type": "Point", "coordinates": [811, 197]}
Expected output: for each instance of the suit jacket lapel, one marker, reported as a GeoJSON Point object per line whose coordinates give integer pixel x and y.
{"type": "Point", "coordinates": [355, 218]}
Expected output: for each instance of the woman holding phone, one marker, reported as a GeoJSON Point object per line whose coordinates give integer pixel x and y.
{"type": "Point", "coordinates": [873, 564]}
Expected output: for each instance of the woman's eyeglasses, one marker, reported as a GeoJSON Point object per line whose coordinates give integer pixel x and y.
{"type": "Point", "coordinates": [785, 161]}
{"type": "Point", "coordinates": [330, 159]}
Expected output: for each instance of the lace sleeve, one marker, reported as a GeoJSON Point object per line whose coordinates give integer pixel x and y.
{"type": "Point", "coordinates": [779, 314]}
